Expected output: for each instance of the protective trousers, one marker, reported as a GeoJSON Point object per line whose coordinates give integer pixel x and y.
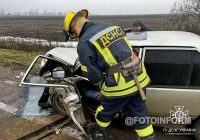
{"type": "Point", "coordinates": [135, 108]}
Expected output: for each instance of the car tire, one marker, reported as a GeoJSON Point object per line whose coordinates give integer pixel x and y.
{"type": "Point", "coordinates": [197, 127]}
{"type": "Point", "coordinates": [57, 104]}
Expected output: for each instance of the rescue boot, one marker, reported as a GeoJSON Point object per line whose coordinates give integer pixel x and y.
{"type": "Point", "coordinates": [97, 133]}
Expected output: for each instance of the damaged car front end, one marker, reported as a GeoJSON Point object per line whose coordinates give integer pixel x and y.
{"type": "Point", "coordinates": [59, 79]}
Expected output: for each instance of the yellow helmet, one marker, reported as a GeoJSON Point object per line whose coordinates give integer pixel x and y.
{"type": "Point", "coordinates": [70, 16]}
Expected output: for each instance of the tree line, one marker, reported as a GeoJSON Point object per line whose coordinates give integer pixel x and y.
{"type": "Point", "coordinates": [185, 16]}
{"type": "Point", "coordinates": [32, 12]}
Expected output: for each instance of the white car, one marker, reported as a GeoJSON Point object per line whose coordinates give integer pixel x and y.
{"type": "Point", "coordinates": [172, 60]}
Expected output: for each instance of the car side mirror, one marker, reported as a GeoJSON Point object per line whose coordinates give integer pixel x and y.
{"type": "Point", "coordinates": [58, 74]}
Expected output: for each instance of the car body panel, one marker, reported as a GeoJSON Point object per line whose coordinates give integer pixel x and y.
{"type": "Point", "coordinates": [68, 55]}
{"type": "Point", "coordinates": [162, 100]}
{"type": "Point", "coordinates": [167, 38]}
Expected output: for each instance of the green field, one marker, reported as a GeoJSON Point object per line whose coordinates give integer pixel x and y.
{"type": "Point", "coordinates": [16, 59]}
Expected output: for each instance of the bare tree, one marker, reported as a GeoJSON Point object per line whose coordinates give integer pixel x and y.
{"type": "Point", "coordinates": [17, 14]}
{"type": "Point", "coordinates": [33, 12]}
{"type": "Point", "coordinates": [185, 16]}
{"type": "Point", "coordinates": [2, 12]}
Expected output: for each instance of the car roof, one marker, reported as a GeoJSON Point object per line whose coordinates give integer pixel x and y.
{"type": "Point", "coordinates": [164, 38]}
{"type": "Point", "coordinates": [153, 38]}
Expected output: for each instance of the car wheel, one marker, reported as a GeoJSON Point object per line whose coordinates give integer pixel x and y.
{"type": "Point", "coordinates": [57, 104]}
{"type": "Point", "coordinates": [197, 127]}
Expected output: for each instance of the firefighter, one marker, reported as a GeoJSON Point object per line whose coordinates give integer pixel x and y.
{"type": "Point", "coordinates": [107, 61]}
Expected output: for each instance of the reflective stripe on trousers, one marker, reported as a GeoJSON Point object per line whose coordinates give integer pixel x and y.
{"type": "Point", "coordinates": [145, 132]}
{"type": "Point", "coordinates": [100, 123]}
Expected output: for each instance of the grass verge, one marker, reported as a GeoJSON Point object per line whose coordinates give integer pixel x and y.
{"type": "Point", "coordinates": [17, 59]}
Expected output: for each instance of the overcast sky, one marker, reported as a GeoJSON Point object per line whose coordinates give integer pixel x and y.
{"type": "Point", "coordinates": [100, 7]}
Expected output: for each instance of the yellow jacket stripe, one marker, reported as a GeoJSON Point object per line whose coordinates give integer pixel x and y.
{"type": "Point", "coordinates": [105, 55]}
{"type": "Point", "coordinates": [108, 57]}
{"type": "Point", "coordinates": [141, 77]}
{"type": "Point", "coordinates": [121, 78]}
{"type": "Point", "coordinates": [127, 91]}
{"type": "Point", "coordinates": [95, 37]}
{"type": "Point", "coordinates": [127, 42]}
{"type": "Point", "coordinates": [84, 68]}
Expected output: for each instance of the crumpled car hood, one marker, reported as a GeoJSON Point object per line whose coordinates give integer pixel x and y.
{"type": "Point", "coordinates": [68, 55]}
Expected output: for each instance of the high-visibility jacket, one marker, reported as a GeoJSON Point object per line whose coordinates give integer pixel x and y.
{"type": "Point", "coordinates": [100, 47]}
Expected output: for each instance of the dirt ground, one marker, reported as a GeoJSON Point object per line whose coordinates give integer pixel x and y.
{"type": "Point", "coordinates": [10, 91]}
{"type": "Point", "coordinates": [13, 126]}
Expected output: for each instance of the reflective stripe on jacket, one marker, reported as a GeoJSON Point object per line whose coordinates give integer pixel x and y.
{"type": "Point", "coordinates": [100, 47]}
